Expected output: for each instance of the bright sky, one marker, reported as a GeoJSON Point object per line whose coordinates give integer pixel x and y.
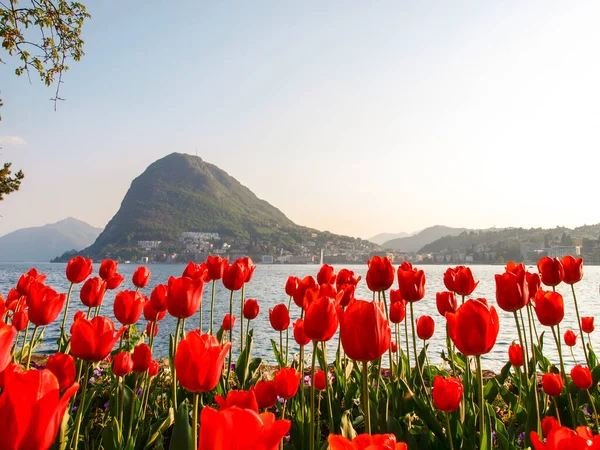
{"type": "Point", "coordinates": [354, 117]}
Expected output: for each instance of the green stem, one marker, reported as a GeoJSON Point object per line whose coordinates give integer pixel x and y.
{"type": "Point", "coordinates": [450, 346]}
{"type": "Point", "coordinates": [287, 334]}
{"type": "Point", "coordinates": [587, 358]}
{"type": "Point", "coordinates": [481, 402]}
{"type": "Point", "coordinates": [81, 407]}
{"type": "Point", "coordinates": [212, 307]}
{"type": "Point", "coordinates": [525, 344]}
{"type": "Point", "coordinates": [230, 340]}
{"type": "Point", "coordinates": [387, 316]}
{"type": "Point", "coordinates": [121, 400]}
{"type": "Point", "coordinates": [242, 321]}
{"type": "Point", "coordinates": [449, 432]}
{"type": "Point", "coordinates": [281, 346]}
{"type": "Point", "coordinates": [312, 399]}
{"type": "Point", "coordinates": [151, 337]}
{"type": "Point", "coordinates": [366, 407]}
{"type": "Point", "coordinates": [64, 321]}
{"type": "Point", "coordinates": [428, 369]}
{"type": "Point", "coordinates": [195, 420]}
{"type": "Point", "coordinates": [24, 342]}
{"type": "Point", "coordinates": [327, 388]}
{"type": "Point", "coordinates": [408, 369]}
{"type": "Point", "coordinates": [31, 347]}
{"type": "Point", "coordinates": [594, 408]}
{"type": "Point", "coordinates": [174, 378]}
{"type": "Point", "coordinates": [412, 324]}
{"type": "Point", "coordinates": [562, 370]}
{"type": "Point", "coordinates": [521, 342]}
{"type": "Point", "coordinates": [132, 408]}
{"type": "Point", "coordinates": [534, 369]}
{"type": "Point", "coordinates": [282, 418]}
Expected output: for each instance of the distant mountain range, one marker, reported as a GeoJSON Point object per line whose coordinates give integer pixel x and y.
{"type": "Point", "coordinates": [182, 193]}
{"type": "Point", "coordinates": [41, 244]}
{"type": "Point", "coordinates": [415, 242]}
{"type": "Point", "coordinates": [384, 237]}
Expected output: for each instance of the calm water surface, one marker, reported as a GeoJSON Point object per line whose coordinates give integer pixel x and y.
{"type": "Point", "coordinates": [268, 284]}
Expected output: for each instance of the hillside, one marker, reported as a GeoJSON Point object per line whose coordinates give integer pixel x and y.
{"type": "Point", "coordinates": [40, 244]}
{"type": "Point", "coordinates": [182, 193]}
{"type": "Point", "coordinates": [424, 237]}
{"type": "Point", "coordinates": [384, 237]}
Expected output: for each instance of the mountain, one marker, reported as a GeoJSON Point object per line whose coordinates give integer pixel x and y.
{"type": "Point", "coordinates": [40, 244]}
{"type": "Point", "coordinates": [182, 193]}
{"type": "Point", "coordinates": [424, 237]}
{"type": "Point", "coordinates": [384, 237]}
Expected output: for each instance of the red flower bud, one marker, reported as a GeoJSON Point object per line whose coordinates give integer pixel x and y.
{"type": "Point", "coordinates": [447, 393]}
{"type": "Point", "coordinates": [515, 355]}
{"type": "Point", "coordinates": [279, 317]}
{"type": "Point", "coordinates": [552, 384]}
{"type": "Point", "coordinates": [380, 274]}
{"type": "Point", "coordinates": [251, 309]}
{"type": "Point", "coordinates": [141, 277]}
{"type": "Point", "coordinates": [551, 271]}
{"type": "Point", "coordinates": [78, 269]}
{"type": "Point", "coordinates": [122, 364]}
{"type": "Point", "coordinates": [570, 338]}
{"type": "Point", "coordinates": [425, 327]}
{"type": "Point", "coordinates": [287, 382]}
{"type": "Point", "coordinates": [587, 324]}
{"type": "Point", "coordinates": [582, 377]}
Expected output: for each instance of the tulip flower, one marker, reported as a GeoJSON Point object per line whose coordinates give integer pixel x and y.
{"type": "Point", "coordinates": [228, 322]}
{"type": "Point", "coordinates": [128, 307]}
{"type": "Point", "coordinates": [570, 338]}
{"type": "Point", "coordinates": [63, 368]}
{"type": "Point", "coordinates": [199, 361]}
{"type": "Point", "coordinates": [108, 269]}
{"type": "Point", "coordinates": [345, 277]}
{"type": "Point", "coordinates": [250, 268]}
{"type": "Point", "coordinates": [114, 281]}
{"type": "Point", "coordinates": [582, 377]}
{"type": "Point", "coordinates": [44, 304]}
{"type": "Point", "coordinates": [411, 282]}
{"type": "Point", "coordinates": [20, 320]}
{"type": "Point", "coordinates": [266, 394]}
{"type": "Point", "coordinates": [552, 384]}
{"type": "Point", "coordinates": [279, 317]}
{"type": "Point", "coordinates": [158, 297]}
{"type": "Point", "coordinates": [380, 274]}
{"type": "Point", "coordinates": [394, 347]}
{"type": "Point", "coordinates": [515, 355]}
{"type": "Point", "coordinates": [425, 327]}
{"type": "Point", "coordinates": [151, 315]}
{"type": "Point", "coordinates": [92, 292]}
{"type": "Point", "coordinates": [304, 285]}
{"type": "Point", "coordinates": [562, 438]}
{"type": "Point", "coordinates": [365, 442]}
{"type": "Point", "coordinates": [27, 278]}
{"type": "Point", "coordinates": [474, 327]}
{"type": "Point", "coordinates": [78, 269]}
{"type": "Point", "coordinates": [287, 382]}
{"type": "Point", "coordinates": [235, 275]}
{"type": "Point", "coordinates": [141, 277]}
{"type": "Point", "coordinates": [326, 275]}
{"type": "Point", "coordinates": [7, 336]}
{"type": "Point", "coordinates": [241, 399]}
{"type": "Point", "coordinates": [291, 285]}
{"type": "Point", "coordinates": [153, 368]}
{"type": "Point", "coordinates": [78, 315]}
{"type": "Point", "coordinates": [194, 271]}
{"type": "Point", "coordinates": [587, 324]}
{"type": "Point", "coordinates": [549, 307]}
{"type": "Point", "coordinates": [447, 393]}
{"type": "Point", "coordinates": [149, 329]}
{"type": "Point", "coordinates": [238, 428]}
{"type": "Point", "coordinates": [460, 280]}
{"type": "Point", "coordinates": [122, 364]}
{"type": "Point", "coordinates": [319, 380]}
{"type": "Point", "coordinates": [512, 290]}
{"type": "Point", "coordinates": [364, 331]}
{"type": "Point", "coordinates": [251, 309]}
{"type": "Point", "coordinates": [321, 319]}
{"type": "Point", "coordinates": [534, 282]}
{"type": "Point", "coordinates": [142, 355]}
{"type": "Point", "coordinates": [299, 333]}
{"type": "Point", "coordinates": [215, 265]}
{"type": "Point", "coordinates": [397, 312]}
{"type": "Point", "coordinates": [32, 409]}
{"type": "Point", "coordinates": [548, 424]}
{"type": "Point", "coordinates": [551, 271]}
{"type": "Point", "coordinates": [184, 296]}
{"type": "Point", "coordinates": [92, 340]}
{"type": "Point", "coordinates": [573, 269]}
{"type": "Point", "coordinates": [446, 302]}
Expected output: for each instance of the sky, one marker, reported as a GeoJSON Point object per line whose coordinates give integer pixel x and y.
{"type": "Point", "coordinates": [349, 116]}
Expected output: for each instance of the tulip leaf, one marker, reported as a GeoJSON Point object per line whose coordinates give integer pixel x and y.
{"type": "Point", "coordinates": [501, 433]}
{"type": "Point", "coordinates": [278, 357]}
{"type": "Point", "coordinates": [111, 435]}
{"type": "Point", "coordinates": [347, 429]}
{"type": "Point", "coordinates": [543, 362]}
{"type": "Point", "coordinates": [182, 438]}
{"type": "Point", "coordinates": [158, 429]}
{"type": "Point", "coordinates": [426, 413]}
{"type": "Point", "coordinates": [532, 410]}
{"type": "Point", "coordinates": [596, 375]}
{"type": "Point", "coordinates": [243, 361]}
{"type": "Point", "coordinates": [592, 356]}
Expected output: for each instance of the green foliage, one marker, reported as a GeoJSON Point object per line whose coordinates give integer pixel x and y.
{"type": "Point", "coordinates": [9, 183]}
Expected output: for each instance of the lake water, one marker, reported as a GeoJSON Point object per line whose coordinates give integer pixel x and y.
{"type": "Point", "coordinates": [268, 287]}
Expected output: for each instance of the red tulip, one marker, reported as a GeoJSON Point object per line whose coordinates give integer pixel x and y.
{"type": "Point", "coordinates": [236, 428]}
{"type": "Point", "coordinates": [151, 314]}
{"type": "Point", "coordinates": [149, 328]}
{"type": "Point", "coordinates": [92, 340]}
{"type": "Point", "coordinates": [251, 309]}
{"type": "Point", "coordinates": [128, 307]}
{"type": "Point", "coordinates": [193, 270]}
{"type": "Point", "coordinates": [279, 317]}
{"type": "Point", "coordinates": [552, 384]}
{"type": "Point", "coordinates": [266, 395]}
{"type": "Point", "coordinates": [364, 331]}
{"type": "Point", "coordinates": [570, 338]}
{"type": "Point", "coordinates": [32, 409]}
{"type": "Point", "coordinates": [563, 438]}
{"type": "Point", "coordinates": [446, 302]}
{"type": "Point", "coordinates": [27, 278]}
{"type": "Point", "coordinates": [319, 380]}
{"type": "Point", "coordinates": [345, 277]}
{"type": "Point", "coordinates": [250, 268]}
{"type": "Point", "coordinates": [228, 322]}
{"type": "Point", "coordinates": [141, 277]}
{"type": "Point", "coordinates": [291, 285]}
{"type": "Point", "coordinates": [460, 280]}
{"type": "Point", "coordinates": [63, 368]}
{"type": "Point", "coordinates": [321, 319]}
{"type": "Point", "coordinates": [115, 281]}
{"type": "Point", "coordinates": [44, 304]}
{"type": "Point", "coordinates": [304, 284]}
{"type": "Point", "coordinates": [78, 269]}
{"type": "Point", "coordinates": [425, 327]}
{"type": "Point", "coordinates": [241, 399]}
{"type": "Point", "coordinates": [512, 290]}
{"type": "Point", "coordinates": [153, 368]}
{"type": "Point", "coordinates": [551, 271]}
{"type": "Point", "coordinates": [397, 312]}
{"type": "Point", "coordinates": [549, 307]}
{"type": "Point", "coordinates": [287, 381]}
{"type": "Point", "coordinates": [299, 333]}
{"type": "Point", "coordinates": [582, 377]}
{"type": "Point", "coordinates": [235, 275]}
{"type": "Point", "coordinates": [447, 393]}
{"type": "Point", "coordinates": [474, 327]}
{"type": "Point", "coordinates": [515, 355]}
{"type": "Point", "coordinates": [534, 282]}
{"type": "Point", "coordinates": [348, 291]}
{"type": "Point", "coordinates": [394, 347]}
{"type": "Point", "coordinates": [158, 297]}
{"type": "Point", "coordinates": [92, 292]}
{"type": "Point", "coordinates": [548, 424]}
{"type": "Point", "coordinates": [396, 296]}
{"type": "Point", "coordinates": [108, 269]}
{"type": "Point", "coordinates": [365, 442]}
{"type": "Point", "coordinates": [326, 275]}
{"type": "Point", "coordinates": [184, 296]}
{"type": "Point", "coordinates": [587, 324]}
{"type": "Point", "coordinates": [380, 275]}
{"type": "Point", "coordinates": [7, 336]}
{"type": "Point", "coordinates": [20, 320]}
{"type": "Point", "coordinates": [122, 364]}
{"type": "Point", "coordinates": [215, 265]}
{"type": "Point", "coordinates": [2, 307]}
{"type": "Point", "coordinates": [411, 282]}
{"type": "Point", "coordinates": [199, 361]}
{"type": "Point", "coordinates": [142, 355]}
{"type": "Point", "coordinates": [573, 269]}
